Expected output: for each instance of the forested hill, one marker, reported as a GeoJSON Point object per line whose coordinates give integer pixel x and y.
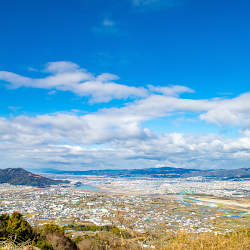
{"type": "Point", "coordinates": [19, 176]}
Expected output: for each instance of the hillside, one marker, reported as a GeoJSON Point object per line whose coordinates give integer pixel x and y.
{"type": "Point", "coordinates": [19, 176]}
{"type": "Point", "coordinates": [17, 233]}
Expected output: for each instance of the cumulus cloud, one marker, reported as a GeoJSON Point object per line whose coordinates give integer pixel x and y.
{"type": "Point", "coordinates": [233, 111]}
{"type": "Point", "coordinates": [69, 141]}
{"type": "Point", "coordinates": [67, 76]}
{"type": "Point", "coordinates": [61, 66]}
{"type": "Point", "coordinates": [115, 137]}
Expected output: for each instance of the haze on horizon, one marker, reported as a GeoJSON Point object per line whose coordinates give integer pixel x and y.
{"type": "Point", "coordinates": [125, 84]}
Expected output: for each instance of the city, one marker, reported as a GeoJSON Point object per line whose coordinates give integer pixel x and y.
{"type": "Point", "coordinates": [144, 205]}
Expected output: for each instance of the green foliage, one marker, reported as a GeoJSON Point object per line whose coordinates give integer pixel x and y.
{"type": "Point", "coordinates": [16, 232]}
{"type": "Point", "coordinates": [43, 244]}
{"type": "Point", "coordinates": [4, 218]}
{"type": "Point", "coordinates": [51, 228]}
{"type": "Point", "coordinates": [116, 231]}
{"type": "Point", "coordinates": [15, 227]}
{"type": "Point", "coordinates": [41, 241]}
{"type": "Point", "coordinates": [78, 239]}
{"type": "Point", "coordinates": [106, 228]}
{"type": "Point", "coordinates": [95, 228]}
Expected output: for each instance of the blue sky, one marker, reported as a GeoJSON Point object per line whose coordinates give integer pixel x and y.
{"type": "Point", "coordinates": [120, 84]}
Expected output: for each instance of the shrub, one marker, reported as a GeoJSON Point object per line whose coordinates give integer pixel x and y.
{"type": "Point", "coordinates": [43, 244]}
{"type": "Point", "coordinates": [51, 228]}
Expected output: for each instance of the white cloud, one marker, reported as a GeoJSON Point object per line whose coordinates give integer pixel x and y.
{"type": "Point", "coordinates": [61, 66]}
{"type": "Point", "coordinates": [116, 137]}
{"type": "Point", "coordinates": [174, 90]}
{"type": "Point", "coordinates": [72, 140]}
{"type": "Point", "coordinates": [233, 111]}
{"type": "Point", "coordinates": [67, 76]}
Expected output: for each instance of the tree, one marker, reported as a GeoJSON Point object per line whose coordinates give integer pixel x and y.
{"type": "Point", "coordinates": [16, 227]}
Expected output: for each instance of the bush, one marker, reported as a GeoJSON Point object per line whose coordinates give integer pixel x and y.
{"type": "Point", "coordinates": [78, 239]}
{"type": "Point", "coordinates": [51, 228]}
{"type": "Point", "coordinates": [43, 244]}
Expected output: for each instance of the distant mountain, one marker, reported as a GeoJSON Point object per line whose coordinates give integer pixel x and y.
{"type": "Point", "coordinates": [19, 176]}
{"type": "Point", "coordinates": [164, 172]}
{"type": "Point", "coordinates": [240, 173]}
{"type": "Point", "coordinates": [152, 172]}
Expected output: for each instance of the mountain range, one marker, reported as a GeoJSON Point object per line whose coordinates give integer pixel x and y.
{"type": "Point", "coordinates": [163, 172]}
{"type": "Point", "coordinates": [20, 176]}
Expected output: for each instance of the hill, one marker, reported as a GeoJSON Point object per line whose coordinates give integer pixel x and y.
{"type": "Point", "coordinates": [19, 176]}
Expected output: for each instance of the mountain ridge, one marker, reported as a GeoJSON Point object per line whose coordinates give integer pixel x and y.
{"type": "Point", "coordinates": [163, 172]}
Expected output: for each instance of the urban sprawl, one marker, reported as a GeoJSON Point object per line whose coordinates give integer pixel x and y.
{"type": "Point", "coordinates": [191, 204]}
